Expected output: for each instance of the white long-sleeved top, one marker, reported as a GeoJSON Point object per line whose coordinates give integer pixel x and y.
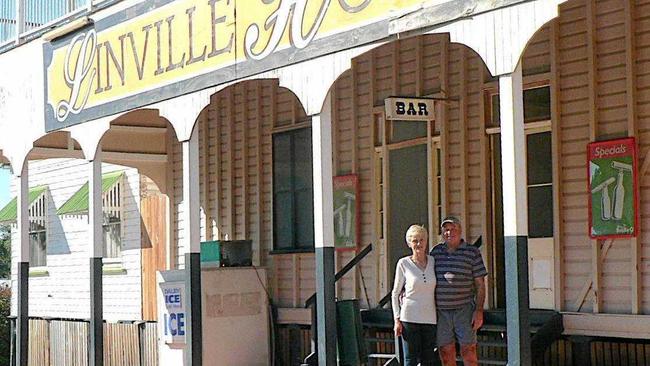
{"type": "Point", "coordinates": [418, 304]}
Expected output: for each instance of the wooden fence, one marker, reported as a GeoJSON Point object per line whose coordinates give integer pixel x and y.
{"type": "Point", "coordinates": [292, 345]}
{"type": "Point", "coordinates": [56, 342]}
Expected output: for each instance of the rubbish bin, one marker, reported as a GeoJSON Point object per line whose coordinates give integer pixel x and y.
{"type": "Point", "coordinates": [351, 343]}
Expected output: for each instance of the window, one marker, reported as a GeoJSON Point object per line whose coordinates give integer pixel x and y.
{"type": "Point", "coordinates": [406, 130]}
{"type": "Point", "coordinates": [38, 232]}
{"type": "Point", "coordinates": [537, 108]}
{"type": "Point", "coordinates": [540, 185]}
{"type": "Point", "coordinates": [112, 221]}
{"type": "Point", "coordinates": [37, 229]}
{"type": "Point", "coordinates": [293, 194]}
{"type": "Point", "coordinates": [537, 105]}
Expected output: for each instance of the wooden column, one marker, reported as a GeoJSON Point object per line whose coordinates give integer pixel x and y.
{"type": "Point", "coordinates": [557, 164]}
{"type": "Point", "coordinates": [191, 242]}
{"type": "Point", "coordinates": [515, 216]}
{"type": "Point", "coordinates": [324, 235]}
{"type": "Point", "coordinates": [20, 19]}
{"type": "Point", "coordinates": [22, 296]}
{"type": "Point", "coordinates": [96, 240]}
{"type": "Point", "coordinates": [231, 232]}
{"type": "Point", "coordinates": [486, 193]}
{"type": "Point", "coordinates": [355, 158]}
{"type": "Point", "coordinates": [596, 245]}
{"type": "Point", "coordinates": [444, 129]}
{"type": "Point", "coordinates": [632, 131]}
{"type": "Point", "coordinates": [464, 124]}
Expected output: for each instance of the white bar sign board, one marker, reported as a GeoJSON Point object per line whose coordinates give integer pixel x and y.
{"type": "Point", "coordinates": [409, 109]}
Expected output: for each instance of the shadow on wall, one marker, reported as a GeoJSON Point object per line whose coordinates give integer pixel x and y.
{"type": "Point", "coordinates": [130, 239]}
{"type": "Point", "coordinates": [57, 242]}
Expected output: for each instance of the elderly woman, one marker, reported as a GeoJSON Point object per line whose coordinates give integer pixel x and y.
{"type": "Point", "coordinates": [415, 315]}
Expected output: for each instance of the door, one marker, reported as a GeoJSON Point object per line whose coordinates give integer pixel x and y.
{"type": "Point", "coordinates": [539, 172]}
{"type": "Point", "coordinates": [498, 273]}
{"type": "Point", "coordinates": [539, 169]}
{"type": "Point", "coordinates": [153, 211]}
{"type": "Point", "coordinates": [408, 198]}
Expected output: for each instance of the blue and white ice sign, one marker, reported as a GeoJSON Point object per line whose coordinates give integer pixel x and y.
{"type": "Point", "coordinates": [174, 319]}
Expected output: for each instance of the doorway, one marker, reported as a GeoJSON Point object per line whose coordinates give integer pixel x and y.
{"type": "Point", "coordinates": [540, 220]}
{"type": "Point", "coordinates": [407, 181]}
{"type": "Point", "coordinates": [408, 197]}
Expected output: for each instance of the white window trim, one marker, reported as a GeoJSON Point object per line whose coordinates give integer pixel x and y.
{"type": "Point", "coordinates": [109, 206]}
{"type": "Point", "coordinates": [41, 219]}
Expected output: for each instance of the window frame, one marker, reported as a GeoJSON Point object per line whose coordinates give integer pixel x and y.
{"type": "Point", "coordinates": [37, 213]}
{"type": "Point", "coordinates": [293, 246]}
{"type": "Point", "coordinates": [113, 207]}
{"type": "Point", "coordinates": [532, 126]}
{"type": "Point", "coordinates": [527, 133]}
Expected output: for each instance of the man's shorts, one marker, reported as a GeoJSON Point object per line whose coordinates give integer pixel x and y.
{"type": "Point", "coordinates": [455, 325]}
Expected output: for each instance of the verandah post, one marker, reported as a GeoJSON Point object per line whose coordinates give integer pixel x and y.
{"type": "Point", "coordinates": [96, 240]}
{"type": "Point", "coordinates": [515, 216]}
{"type": "Point", "coordinates": [192, 243]}
{"type": "Point", "coordinates": [22, 295]}
{"type": "Point", "coordinates": [324, 236]}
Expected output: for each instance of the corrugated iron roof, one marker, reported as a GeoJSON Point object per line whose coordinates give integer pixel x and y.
{"type": "Point", "coordinates": [78, 203]}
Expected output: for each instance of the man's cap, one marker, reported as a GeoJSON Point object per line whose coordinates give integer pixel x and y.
{"type": "Point", "coordinates": [450, 220]}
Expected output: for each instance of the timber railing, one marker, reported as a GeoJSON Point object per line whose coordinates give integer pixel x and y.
{"type": "Point", "coordinates": [64, 342]}
{"type": "Point", "coordinates": [22, 20]}
{"type": "Point", "coordinates": [311, 303]}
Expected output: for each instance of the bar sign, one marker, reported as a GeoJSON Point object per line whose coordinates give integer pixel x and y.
{"type": "Point", "coordinates": [409, 109]}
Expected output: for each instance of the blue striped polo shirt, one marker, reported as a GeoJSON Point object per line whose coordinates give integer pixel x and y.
{"type": "Point", "coordinates": [455, 274]}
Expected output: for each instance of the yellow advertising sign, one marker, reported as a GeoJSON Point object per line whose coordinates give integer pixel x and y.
{"type": "Point", "coordinates": [126, 61]}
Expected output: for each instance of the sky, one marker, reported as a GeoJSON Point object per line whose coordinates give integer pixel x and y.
{"type": "Point", "coordinates": [5, 194]}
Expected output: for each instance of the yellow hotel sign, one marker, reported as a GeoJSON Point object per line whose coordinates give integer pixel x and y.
{"type": "Point", "coordinates": [160, 49]}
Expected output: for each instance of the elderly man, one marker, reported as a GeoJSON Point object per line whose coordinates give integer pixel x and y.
{"type": "Point", "coordinates": [460, 294]}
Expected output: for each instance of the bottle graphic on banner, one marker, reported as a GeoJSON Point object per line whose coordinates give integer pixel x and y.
{"type": "Point", "coordinates": [619, 191]}
{"type": "Point", "coordinates": [605, 201]}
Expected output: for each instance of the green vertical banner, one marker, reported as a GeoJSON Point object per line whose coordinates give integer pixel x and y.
{"type": "Point", "coordinates": [346, 212]}
{"type": "Point", "coordinates": [613, 189]}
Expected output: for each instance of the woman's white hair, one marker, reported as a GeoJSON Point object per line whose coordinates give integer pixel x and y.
{"type": "Point", "coordinates": [416, 229]}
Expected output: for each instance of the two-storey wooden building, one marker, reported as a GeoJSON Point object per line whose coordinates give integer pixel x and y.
{"type": "Point", "coordinates": [253, 119]}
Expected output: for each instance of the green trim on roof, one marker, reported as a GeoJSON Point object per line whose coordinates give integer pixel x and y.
{"type": "Point", "coordinates": [78, 203]}
{"type": "Point", "coordinates": [10, 211]}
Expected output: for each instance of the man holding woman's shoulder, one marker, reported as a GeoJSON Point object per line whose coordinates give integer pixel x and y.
{"type": "Point", "coordinates": [443, 290]}
{"type": "Point", "coordinates": [460, 294]}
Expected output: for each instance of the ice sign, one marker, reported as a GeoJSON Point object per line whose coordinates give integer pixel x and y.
{"type": "Point", "coordinates": [174, 320]}
{"type": "Point", "coordinates": [173, 298]}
